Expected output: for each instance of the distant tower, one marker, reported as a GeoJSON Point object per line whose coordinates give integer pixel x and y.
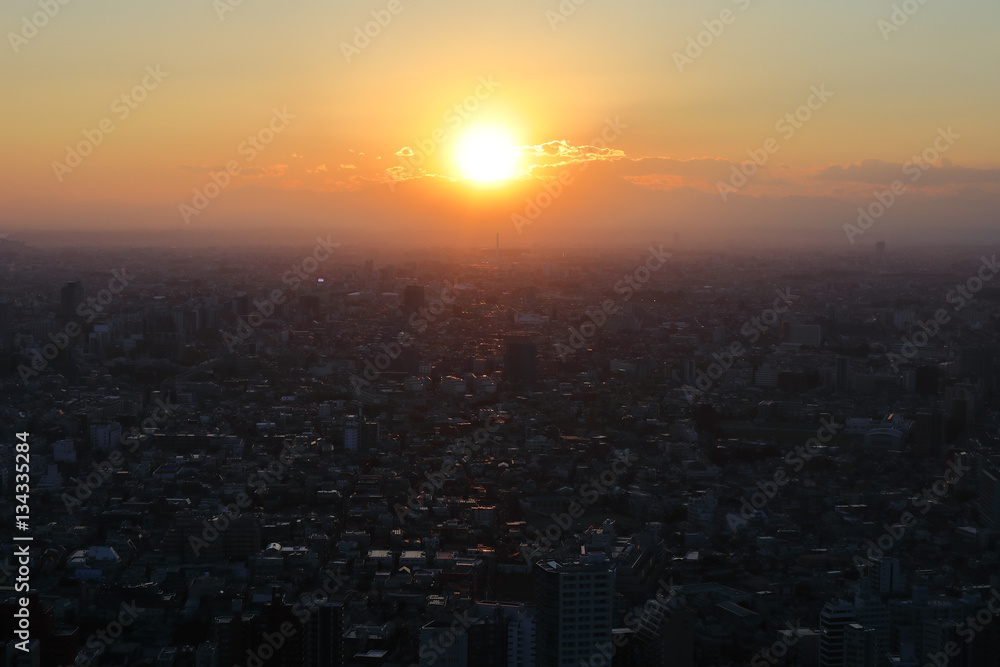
{"type": "Point", "coordinates": [498, 253]}
{"type": "Point", "coordinates": [880, 248]}
{"type": "Point", "coordinates": [70, 298]}
{"type": "Point", "coordinates": [677, 239]}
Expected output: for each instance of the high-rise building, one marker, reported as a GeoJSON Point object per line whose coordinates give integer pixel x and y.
{"type": "Point", "coordinates": [352, 433]}
{"type": "Point", "coordinates": [843, 378]}
{"type": "Point", "coordinates": [928, 434]}
{"type": "Point", "coordinates": [988, 502]}
{"type": "Point", "coordinates": [833, 619]}
{"type": "Point", "coordinates": [441, 645]}
{"type": "Point", "coordinates": [414, 298]}
{"type": "Point", "coordinates": [944, 637]}
{"type": "Point", "coordinates": [4, 318]}
{"type": "Point", "coordinates": [885, 577]}
{"type": "Point", "coordinates": [324, 635]}
{"type": "Point", "coordinates": [860, 646]}
{"type": "Point", "coordinates": [665, 635]}
{"type": "Point", "coordinates": [574, 610]}
{"type": "Point", "coordinates": [206, 656]}
{"type": "Point", "coordinates": [233, 636]}
{"type": "Point", "coordinates": [519, 359]}
{"type": "Point", "coordinates": [926, 381]}
{"type": "Point", "coordinates": [104, 436]}
{"type": "Point", "coordinates": [70, 297]}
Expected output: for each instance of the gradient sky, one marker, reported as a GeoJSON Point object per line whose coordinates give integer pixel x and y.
{"type": "Point", "coordinates": [231, 65]}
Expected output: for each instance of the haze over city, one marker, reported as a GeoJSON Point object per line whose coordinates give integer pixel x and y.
{"type": "Point", "coordinates": [543, 333]}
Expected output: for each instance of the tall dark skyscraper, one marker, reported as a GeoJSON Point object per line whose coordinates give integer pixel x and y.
{"type": "Point", "coordinates": [5, 323]}
{"type": "Point", "coordinates": [324, 635]}
{"type": "Point", "coordinates": [414, 298]}
{"type": "Point", "coordinates": [70, 297]}
{"type": "Point", "coordinates": [843, 375]}
{"type": "Point", "coordinates": [574, 610]}
{"type": "Point", "coordinates": [519, 359]}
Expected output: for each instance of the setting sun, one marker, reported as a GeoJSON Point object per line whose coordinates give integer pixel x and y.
{"type": "Point", "coordinates": [487, 155]}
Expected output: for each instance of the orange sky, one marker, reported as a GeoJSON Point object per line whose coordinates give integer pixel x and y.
{"type": "Point", "coordinates": [632, 118]}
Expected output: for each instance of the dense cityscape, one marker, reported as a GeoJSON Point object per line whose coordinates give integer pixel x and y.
{"type": "Point", "coordinates": [656, 455]}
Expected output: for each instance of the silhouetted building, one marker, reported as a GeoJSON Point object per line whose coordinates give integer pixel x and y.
{"type": "Point", "coordinates": [833, 621]}
{"type": "Point", "coordinates": [70, 298]}
{"type": "Point", "coordinates": [574, 610]}
{"type": "Point", "coordinates": [988, 502]}
{"type": "Point", "coordinates": [324, 637]}
{"type": "Point", "coordinates": [519, 360]}
{"type": "Point", "coordinates": [928, 434]}
{"type": "Point", "coordinates": [664, 636]}
{"type": "Point", "coordinates": [843, 378]}
{"type": "Point", "coordinates": [234, 636]}
{"type": "Point", "coordinates": [927, 380]}
{"type": "Point", "coordinates": [414, 298]}
{"type": "Point", "coordinates": [860, 646]}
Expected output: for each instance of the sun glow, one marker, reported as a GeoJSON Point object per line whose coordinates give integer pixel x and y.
{"type": "Point", "coordinates": [487, 155]}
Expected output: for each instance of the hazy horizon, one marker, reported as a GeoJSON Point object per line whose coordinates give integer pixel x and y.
{"type": "Point", "coordinates": [448, 122]}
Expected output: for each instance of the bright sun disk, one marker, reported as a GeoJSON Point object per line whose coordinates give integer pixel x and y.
{"type": "Point", "coordinates": [487, 155]}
